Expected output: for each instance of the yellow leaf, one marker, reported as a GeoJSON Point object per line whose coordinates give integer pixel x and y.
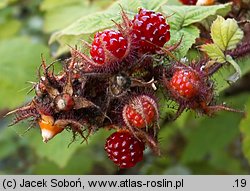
{"type": "Point", "coordinates": [226, 34]}
{"type": "Point", "coordinates": [214, 52]}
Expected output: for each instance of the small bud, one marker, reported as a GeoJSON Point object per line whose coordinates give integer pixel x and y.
{"type": "Point", "coordinates": [64, 102]}
{"type": "Point", "coordinates": [48, 129]}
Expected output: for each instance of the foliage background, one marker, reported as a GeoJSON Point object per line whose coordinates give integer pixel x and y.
{"type": "Point", "coordinates": [190, 145]}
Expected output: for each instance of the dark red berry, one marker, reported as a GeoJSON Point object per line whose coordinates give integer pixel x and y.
{"type": "Point", "coordinates": [185, 83]}
{"type": "Point", "coordinates": [108, 45]}
{"type": "Point", "coordinates": [150, 30]}
{"type": "Point", "coordinates": [188, 2]}
{"type": "Point", "coordinates": [124, 149]}
{"type": "Point", "coordinates": [140, 112]}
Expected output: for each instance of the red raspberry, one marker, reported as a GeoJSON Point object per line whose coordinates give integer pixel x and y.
{"type": "Point", "coordinates": [150, 30]}
{"type": "Point", "coordinates": [124, 149]}
{"type": "Point", "coordinates": [140, 112]}
{"type": "Point", "coordinates": [107, 46]}
{"type": "Point", "coordinates": [185, 83]}
{"type": "Point", "coordinates": [188, 2]}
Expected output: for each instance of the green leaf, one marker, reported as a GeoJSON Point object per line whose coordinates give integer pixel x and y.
{"type": "Point", "coordinates": [181, 20]}
{"type": "Point", "coordinates": [20, 58]}
{"type": "Point", "coordinates": [67, 11]}
{"type": "Point", "coordinates": [226, 34]}
{"type": "Point", "coordinates": [222, 160]}
{"type": "Point", "coordinates": [182, 16]}
{"type": "Point", "coordinates": [245, 130]}
{"type": "Point", "coordinates": [152, 5]}
{"type": "Point", "coordinates": [89, 24]}
{"type": "Point", "coordinates": [214, 52]}
{"type": "Point", "coordinates": [189, 35]}
{"type": "Point", "coordinates": [69, 40]}
{"type": "Point", "coordinates": [233, 78]}
{"type": "Point", "coordinates": [6, 142]}
{"type": "Point", "coordinates": [221, 77]}
{"type": "Point", "coordinates": [101, 20]}
{"type": "Point", "coordinates": [78, 164]}
{"type": "Point", "coordinates": [211, 135]}
{"type": "Point", "coordinates": [53, 19]}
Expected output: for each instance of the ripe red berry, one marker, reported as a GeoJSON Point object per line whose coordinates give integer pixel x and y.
{"type": "Point", "coordinates": [124, 149]}
{"type": "Point", "coordinates": [188, 2]}
{"type": "Point", "coordinates": [185, 83]}
{"type": "Point", "coordinates": [107, 46]}
{"type": "Point", "coordinates": [150, 30]}
{"type": "Point", "coordinates": [140, 112]}
{"type": "Point", "coordinates": [191, 87]}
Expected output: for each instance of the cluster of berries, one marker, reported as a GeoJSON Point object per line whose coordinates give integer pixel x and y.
{"type": "Point", "coordinates": [115, 88]}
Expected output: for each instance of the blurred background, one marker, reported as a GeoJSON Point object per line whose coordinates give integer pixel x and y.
{"type": "Point", "coordinates": [190, 145]}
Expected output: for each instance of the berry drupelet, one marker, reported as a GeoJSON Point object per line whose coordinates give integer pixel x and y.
{"type": "Point", "coordinates": [124, 149]}
{"type": "Point", "coordinates": [150, 31]}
